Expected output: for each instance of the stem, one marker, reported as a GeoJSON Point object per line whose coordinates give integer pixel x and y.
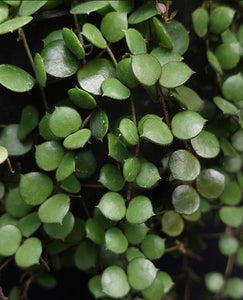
{"type": "Point", "coordinates": [171, 249]}
{"type": "Point", "coordinates": [229, 266]}
{"type": "Point", "coordinates": [164, 105]}
{"type": "Point", "coordinates": [86, 120]}
{"type": "Point", "coordinates": [10, 166]}
{"type": "Point", "coordinates": [85, 207]}
{"type": "Point", "coordinates": [5, 263]}
{"type": "Point", "coordinates": [93, 185]}
{"type": "Point", "coordinates": [45, 264]}
{"type": "Point", "coordinates": [133, 109]}
{"type": "Point", "coordinates": [112, 56]}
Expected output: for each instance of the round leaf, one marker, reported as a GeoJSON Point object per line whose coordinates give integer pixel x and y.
{"type": "Point", "coordinates": [234, 288]}
{"type": "Point", "coordinates": [220, 19]}
{"type": "Point", "coordinates": [135, 233]}
{"type": "Point", "coordinates": [93, 35]}
{"type": "Point", "coordinates": [232, 193]}
{"type": "Point", "coordinates": [77, 139]}
{"type": "Point", "coordinates": [85, 163]}
{"type": "Point", "coordinates": [200, 21]}
{"type": "Point", "coordinates": [88, 250]}
{"type": "Point", "coordinates": [206, 144]}
{"type": "Point", "coordinates": [131, 168]}
{"type": "Point", "coordinates": [112, 206]}
{"type": "Point", "coordinates": [228, 245]}
{"type": "Point", "coordinates": [66, 167]}
{"type": "Point", "coordinates": [29, 224]}
{"type": "Point", "coordinates": [141, 273]}
{"type": "Point", "coordinates": [232, 88]}
{"type": "Point", "coordinates": [29, 120]}
{"type": "Point", "coordinates": [53, 36]}
{"type": "Point", "coordinates": [95, 286]}
{"type": "Point", "coordinates": [14, 24]}
{"type": "Point", "coordinates": [73, 43]}
{"type": "Point", "coordinates": [110, 177]}
{"type": "Point", "coordinates": [117, 150]}
{"type": "Point", "coordinates": [122, 6]}
{"type": "Point", "coordinates": [81, 98]}
{"type": "Point", "coordinates": [139, 210]}
{"type": "Point", "coordinates": [99, 124]}
{"type": "Point", "coordinates": [156, 290]}
{"type": "Point", "coordinates": [94, 232]}
{"type": "Point", "coordinates": [44, 128]}
{"type": "Point", "coordinates": [148, 175]}
{"type": "Point", "coordinates": [143, 13]}
{"type": "Point", "coordinates": [172, 223]}
{"type": "Point", "coordinates": [125, 73]}
{"type": "Point", "coordinates": [10, 240]}
{"type": "Point", "coordinates": [135, 41]}
{"type": "Point", "coordinates": [231, 216]}
{"type": "Point", "coordinates": [3, 154]}
{"type": "Point", "coordinates": [132, 253]}
{"type": "Point", "coordinates": [128, 131]}
{"type": "Point", "coordinates": [113, 88]}
{"type": "Point", "coordinates": [225, 106]}
{"type": "Point", "coordinates": [237, 140]}
{"type": "Point", "coordinates": [214, 282]}
{"type": "Point", "coordinates": [184, 166]}
{"type": "Point", "coordinates": [228, 55]}
{"type": "Point", "coordinates": [115, 240]}
{"type": "Point", "coordinates": [153, 246]}
{"type": "Point", "coordinates": [88, 7]}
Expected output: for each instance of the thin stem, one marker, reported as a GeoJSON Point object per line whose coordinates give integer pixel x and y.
{"type": "Point", "coordinates": [133, 109]}
{"type": "Point", "coordinates": [164, 105]}
{"type": "Point", "coordinates": [2, 297]}
{"type": "Point", "coordinates": [85, 207]}
{"type": "Point", "coordinates": [5, 263]}
{"type": "Point", "coordinates": [86, 120]}
{"type": "Point", "coordinates": [10, 166]}
{"type": "Point", "coordinates": [172, 249]}
{"type": "Point", "coordinates": [45, 264]}
{"type": "Point", "coordinates": [93, 185]}
{"type": "Point", "coordinates": [112, 56]}
{"type": "Point", "coordinates": [229, 266]}
{"type": "Point", "coordinates": [26, 288]}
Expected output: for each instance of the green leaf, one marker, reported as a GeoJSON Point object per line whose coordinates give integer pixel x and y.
{"type": "Point", "coordinates": [231, 216]}
{"type": "Point", "coordinates": [239, 257]}
{"type": "Point", "coordinates": [44, 128]}
{"type": "Point", "coordinates": [161, 34]}
{"type": "Point", "coordinates": [10, 240]}
{"type": "Point", "coordinates": [237, 140]}
{"type": "Point", "coordinates": [88, 7]}
{"type": "Point", "coordinates": [92, 75]}
{"type": "Point", "coordinates": [29, 224]}
{"type": "Point", "coordinates": [14, 24]}
{"type": "Point", "coordinates": [206, 144]}
{"type": "Point", "coordinates": [113, 25]}
{"type": "Point", "coordinates": [227, 148]}
{"type": "Point", "coordinates": [81, 98]}
{"type": "Point", "coordinates": [125, 73]}
{"type": "Point", "coordinates": [54, 209]}
{"type": "Point", "coordinates": [131, 168]}
{"type": "Point", "coordinates": [66, 167]}
{"type": "Point", "coordinates": [156, 290]}
{"type": "Point", "coordinates": [220, 19]}
{"type": "Point", "coordinates": [167, 281]}
{"type": "Point", "coordinates": [13, 3]}
{"type": "Point", "coordinates": [15, 292]}
{"type": "Point", "coordinates": [113, 88]}
{"type": "Point", "coordinates": [179, 36]}
{"type": "Point", "coordinates": [3, 154]}
{"type": "Point", "coordinates": [165, 56]}
{"type": "Point", "coordinates": [117, 150]}
{"type": "Point", "coordinates": [4, 12]}
{"type": "Point", "coordinates": [148, 175]}
{"type": "Point", "coordinates": [99, 124]}
{"type": "Point", "coordinates": [153, 246]}
{"type": "Point", "coordinates": [46, 280]}
{"type": "Point", "coordinates": [86, 250]}
{"type": "Point", "coordinates": [110, 177]}
{"type": "Point", "coordinates": [135, 41]}
{"type": "Point", "coordinates": [77, 139]}
{"type": "Point", "coordinates": [103, 221]}
{"type": "Point", "coordinates": [15, 78]}
{"type": "Point", "coordinates": [139, 210]}
{"type": "Point", "coordinates": [95, 286]}
{"type": "Point", "coordinates": [135, 233]}
{"type": "Point", "coordinates": [210, 183]}
{"type": "Point", "coordinates": [187, 98]}
{"type": "Point", "coordinates": [214, 282]}
{"type": "Point", "coordinates": [133, 253]}
{"type": "Point", "coordinates": [143, 13]}
{"type": "Point", "coordinates": [94, 232]}
{"type": "Point", "coordinates": [172, 223]}
{"type": "Point", "coordinates": [114, 282]}
{"type": "Point", "coordinates": [184, 166]}
{"type": "Point", "coordinates": [141, 273]}
{"type": "Point", "coordinates": [128, 131]}
{"type": "Point", "coordinates": [56, 54]}
{"type": "Point", "coordinates": [214, 63]}
{"type": "Point", "coordinates": [60, 231]}
{"type": "Point", "coordinates": [48, 155]}
{"type": "Point", "coordinates": [228, 55]}
{"type": "Point", "coordinates": [187, 124]}
{"type": "Point", "coordinates": [28, 253]}
{"type": "Point", "coordinates": [232, 164]}
{"type": "Point", "coordinates": [73, 43]}
{"type": "Point", "coordinates": [64, 121]}
{"type": "Point", "coordinates": [146, 69]}
{"type": "Point", "coordinates": [234, 288]}
{"type": "Point", "coordinates": [85, 164]}
{"type": "Point", "coordinates": [14, 205]}
{"type": "Point", "coordinates": [29, 120]}
{"type": "Point", "coordinates": [228, 245]}
{"type": "Point", "coordinates": [232, 193]}
{"type": "Point", "coordinates": [77, 233]}
{"type": "Point", "coordinates": [232, 88]}
{"type": "Point", "coordinates": [185, 199]}
{"type": "Point", "coordinates": [35, 187]}
{"type": "Point", "coordinates": [145, 118]}
{"type": "Point", "coordinates": [125, 6]}
{"type": "Point", "coordinates": [71, 184]}
{"type": "Point", "coordinates": [156, 131]}
{"type": "Point", "coordinates": [200, 21]}
{"type": "Point", "coordinates": [30, 7]}
{"type": "Point", "coordinates": [53, 36]}
{"type": "Point", "coordinates": [174, 73]}
{"type": "Point", "coordinates": [225, 106]}
{"type": "Point", "coordinates": [112, 206]}
{"type": "Point", "coordinates": [6, 219]}
{"type": "Point", "coordinates": [115, 240]}
{"type": "Point", "coordinates": [93, 35]}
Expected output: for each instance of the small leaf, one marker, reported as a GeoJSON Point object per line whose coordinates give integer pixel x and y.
{"type": "Point", "coordinates": [48, 155]}
{"type": "Point", "coordinates": [167, 281]}
{"type": "Point", "coordinates": [185, 199]}
{"type": "Point", "coordinates": [59, 60]}
{"type": "Point", "coordinates": [30, 7]}
{"type": "Point", "coordinates": [77, 233]}
{"type": "Point", "coordinates": [131, 168]}
{"type": "Point", "coordinates": [237, 140]}
{"type": "Point", "coordinates": [206, 144]}
{"type": "Point", "coordinates": [93, 35]}
{"type": "Point", "coordinates": [14, 24]}
{"type": "Point", "coordinates": [88, 250]}
{"type": "Point", "coordinates": [115, 240]}
{"type": "Point", "coordinates": [143, 13]}
{"type": "Point", "coordinates": [133, 253]}
{"type": "Point", "coordinates": [145, 118]}
{"type": "Point", "coordinates": [35, 187]}
{"type": "Point", "coordinates": [141, 273]}
{"type": "Point", "coordinates": [113, 88]}
{"type": "Point", "coordinates": [174, 74]}
{"type": "Point", "coordinates": [99, 124]}
{"type": "Point", "coordinates": [64, 121]}
{"type": "Point", "coordinates": [146, 69]}
{"type": "Point", "coordinates": [214, 63]}
{"type": "Point", "coordinates": [85, 163]}
{"type": "Point", "coordinates": [227, 148]}
{"type": "Point", "coordinates": [228, 55]}
{"type": "Point", "coordinates": [29, 224]}
{"type": "Point", "coordinates": [156, 290]}
{"type": "Point", "coordinates": [71, 184]}
{"type": "Point", "coordinates": [88, 7]}
{"type": "Point", "coordinates": [214, 282]}
{"type": "Point", "coordinates": [3, 154]}
{"type": "Point", "coordinates": [29, 120]}
{"type": "Point", "coordinates": [15, 78]}
{"type": "Point", "coordinates": [172, 223]}
{"type": "Point", "coordinates": [92, 75]}
{"type": "Point", "coordinates": [73, 43]}
{"type": "Point", "coordinates": [77, 139]}
{"type": "Point", "coordinates": [10, 240]}
{"type": "Point", "coordinates": [232, 88]}
{"type": "Point", "coordinates": [114, 282]}
{"type": "Point", "coordinates": [81, 98]}
{"type": "Point", "coordinates": [148, 175]}
{"type": "Point", "coordinates": [231, 164]}
{"type": "Point", "coordinates": [128, 131]}
{"type": "Point", "coordinates": [39, 69]}
{"type": "Point", "coordinates": [162, 34]}
{"type": "Point", "coordinates": [187, 124]}
{"type": "Point", "coordinates": [225, 106]}
{"type": "Point", "coordinates": [103, 221]}
{"type": "Point", "coordinates": [112, 206]}
{"type": "Point", "coordinates": [95, 286]}
{"type": "Point", "coordinates": [53, 36]}
{"type": "Point", "coordinates": [228, 245]}
{"type": "Point", "coordinates": [184, 166]}
{"type": "Point", "coordinates": [94, 232]}
{"type": "Point", "coordinates": [165, 56]}
{"type": "Point", "coordinates": [44, 128]}
{"type": "Point", "coordinates": [28, 253]}
{"type": "Point", "coordinates": [220, 19]}
{"type": "Point", "coordinates": [54, 209]}
{"type": "Point", "coordinates": [135, 41]}
{"type": "Point", "coordinates": [234, 288]}
{"type": "Point", "coordinates": [232, 193]}
{"type": "Point", "coordinates": [231, 216]}
{"type": "Point", "coordinates": [66, 167]}
{"type": "Point", "coordinates": [210, 183]}
{"type": "Point", "coordinates": [125, 73]}
{"type": "Point", "coordinates": [117, 150]}
{"type": "Point", "coordinates": [139, 210]}
{"type": "Point", "coordinates": [135, 233]}
{"type": "Point", "coordinates": [125, 6]}
{"type": "Point", "coordinates": [153, 246]}
{"type": "Point", "coordinates": [4, 12]}
{"type": "Point", "coordinates": [46, 280]}
{"type": "Point", "coordinates": [110, 177]}
{"type": "Point", "coordinates": [200, 21]}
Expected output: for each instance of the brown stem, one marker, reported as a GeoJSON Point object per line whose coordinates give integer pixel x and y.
{"type": "Point", "coordinates": [45, 264]}
{"type": "Point", "coordinates": [229, 266]}
{"type": "Point", "coordinates": [10, 166]}
{"type": "Point", "coordinates": [112, 56]}
{"type": "Point", "coordinates": [86, 120]}
{"type": "Point", "coordinates": [26, 288]}
{"type": "Point", "coordinates": [93, 185]}
{"type": "Point", "coordinates": [5, 263]}
{"type": "Point", "coordinates": [2, 297]}
{"type": "Point", "coordinates": [133, 109]}
{"type": "Point", "coordinates": [171, 249]}
{"type": "Point", "coordinates": [186, 146]}
{"type": "Point", "coordinates": [164, 105]}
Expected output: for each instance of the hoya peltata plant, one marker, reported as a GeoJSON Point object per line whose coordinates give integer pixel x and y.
{"type": "Point", "coordinates": [131, 163]}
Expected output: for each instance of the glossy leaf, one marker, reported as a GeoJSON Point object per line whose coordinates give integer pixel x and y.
{"type": "Point", "coordinates": [232, 88]}
{"type": "Point", "coordinates": [210, 183]}
{"type": "Point", "coordinates": [117, 150]}
{"type": "Point", "coordinates": [66, 167]}
{"type": "Point", "coordinates": [225, 106]}
{"type": "Point", "coordinates": [131, 168]}
{"type": "Point", "coordinates": [165, 56]}
{"type": "Point", "coordinates": [145, 118]}
{"type": "Point", "coordinates": [71, 184]}
{"type": "Point", "coordinates": [156, 290]}
{"type": "Point", "coordinates": [172, 223]}
{"type": "Point", "coordinates": [220, 19]}
{"type": "Point", "coordinates": [112, 206]}
{"type": "Point", "coordinates": [200, 21]}
{"type": "Point", "coordinates": [153, 246]}
{"type": "Point", "coordinates": [114, 282]}
{"type": "Point", "coordinates": [39, 69]}
{"type": "Point", "coordinates": [10, 240]}
{"type": "Point", "coordinates": [28, 8]}
{"type": "Point", "coordinates": [92, 75]}
{"type": "Point", "coordinates": [139, 210]}
{"type": "Point", "coordinates": [94, 232]}
{"type": "Point", "coordinates": [125, 73]}
{"type": "Point", "coordinates": [85, 163]}
{"type": "Point", "coordinates": [174, 74]}
{"type": "Point", "coordinates": [3, 154]}
{"type": "Point", "coordinates": [231, 216]}
{"type": "Point", "coordinates": [88, 7]}
{"type": "Point", "coordinates": [99, 124]}
{"type": "Point", "coordinates": [4, 12]}
{"type": "Point", "coordinates": [59, 60]}
{"type": "Point", "coordinates": [161, 34]}
{"type": "Point", "coordinates": [214, 63]}
{"type": "Point", "coordinates": [135, 233]}
{"type": "Point", "coordinates": [148, 175]}
{"type": "Point", "coordinates": [35, 187]}
{"type": "Point", "coordinates": [93, 35]}
{"type": "Point", "coordinates": [29, 224]}
{"type": "Point", "coordinates": [77, 139]}
{"type": "Point", "coordinates": [44, 128]}
{"type": "Point", "coordinates": [135, 41]}
{"type": "Point", "coordinates": [115, 240]}
{"type": "Point", "coordinates": [53, 36]}
{"type": "Point", "coordinates": [113, 88]}
{"type": "Point", "coordinates": [73, 43]}
{"type": "Point", "coordinates": [14, 24]}
{"type": "Point", "coordinates": [128, 131]}
{"type": "Point", "coordinates": [143, 13]}
{"type": "Point", "coordinates": [228, 55]}
{"type": "Point", "coordinates": [187, 124]}
{"type": "Point", "coordinates": [146, 69]}
{"type": "Point", "coordinates": [141, 273]}
{"type": "Point", "coordinates": [28, 253]}
{"type": "Point", "coordinates": [206, 144]}
{"type": "Point", "coordinates": [110, 177]}
{"type": "Point", "coordinates": [184, 166]}
{"type": "Point", "coordinates": [81, 98]}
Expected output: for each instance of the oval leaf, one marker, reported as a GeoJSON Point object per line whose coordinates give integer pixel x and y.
{"type": "Point", "coordinates": [10, 240]}
{"type": "Point", "coordinates": [206, 144]}
{"type": "Point", "coordinates": [139, 210]}
{"type": "Point", "coordinates": [112, 206]}
{"type": "Point", "coordinates": [14, 24]}
{"type": "Point", "coordinates": [113, 88]}
{"type": "Point", "coordinates": [110, 177]}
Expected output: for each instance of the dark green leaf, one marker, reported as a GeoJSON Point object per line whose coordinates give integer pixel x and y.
{"type": "Point", "coordinates": [73, 43]}
{"type": "Point", "coordinates": [71, 184]}
{"type": "Point", "coordinates": [85, 163]}
{"type": "Point", "coordinates": [162, 34]}
{"type": "Point", "coordinates": [165, 56]}
{"type": "Point", "coordinates": [110, 177]}
{"type": "Point", "coordinates": [143, 13]}
{"type": "Point", "coordinates": [66, 167]}
{"type": "Point", "coordinates": [29, 224]}
{"type": "Point", "coordinates": [135, 233]}
{"type": "Point", "coordinates": [214, 63]}
{"type": "Point", "coordinates": [131, 168]}
{"type": "Point", "coordinates": [44, 128]}
{"type": "Point", "coordinates": [233, 88]}
{"type": "Point", "coordinates": [125, 6]}
{"type": "Point", "coordinates": [29, 120]}
{"type": "Point", "coordinates": [125, 73]}
{"type": "Point", "coordinates": [139, 210]}
{"type": "Point", "coordinates": [135, 41]}
{"type": "Point", "coordinates": [228, 55]}
{"type": "Point", "coordinates": [153, 246]}
{"type": "Point", "coordinates": [94, 232]}
{"type": "Point", "coordinates": [53, 36]}
{"type": "Point", "coordinates": [40, 71]}
{"type": "Point", "coordinates": [99, 124]}
{"type": "Point", "coordinates": [117, 150]}
{"type": "Point", "coordinates": [128, 131]}
{"type": "Point", "coordinates": [200, 21]}
{"type": "Point", "coordinates": [88, 251]}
